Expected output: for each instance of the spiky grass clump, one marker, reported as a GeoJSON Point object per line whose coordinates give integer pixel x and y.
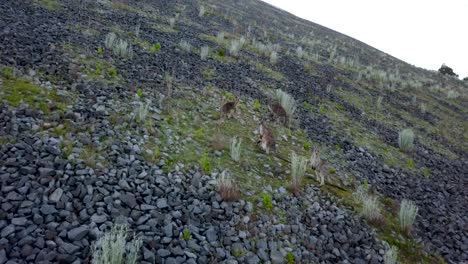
{"type": "Point", "coordinates": [361, 193]}
{"type": "Point", "coordinates": [201, 11]}
{"type": "Point", "coordinates": [451, 94]}
{"type": "Point", "coordinates": [236, 46]}
{"type": "Point", "coordinates": [204, 52]}
{"type": "Point", "coordinates": [110, 39]}
{"type": "Point", "coordinates": [111, 248]}
{"type": "Point", "coordinates": [220, 37]}
{"type": "Point", "coordinates": [287, 102]}
{"type": "Point", "coordinates": [298, 169]}
{"type": "Point", "coordinates": [172, 22]}
{"type": "Point", "coordinates": [185, 46]}
{"type": "Point", "coordinates": [391, 255]}
{"type": "Point", "coordinates": [407, 214]}
{"type": "Point", "coordinates": [371, 209]}
{"type": "Point", "coordinates": [143, 110]}
{"type": "Point", "coordinates": [123, 49]}
{"type": "Point", "coordinates": [299, 52]}
{"type": "Point", "coordinates": [379, 102]}
{"type": "Point", "coordinates": [273, 57]}
{"type": "Point", "coordinates": [236, 149]}
{"type": "Point", "coordinates": [227, 187]}
{"type": "Point", "coordinates": [406, 139]}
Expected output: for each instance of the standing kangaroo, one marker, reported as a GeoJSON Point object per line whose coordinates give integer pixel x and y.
{"type": "Point", "coordinates": [267, 139]}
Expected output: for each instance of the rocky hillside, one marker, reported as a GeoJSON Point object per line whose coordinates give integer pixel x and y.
{"type": "Point", "coordinates": [110, 117]}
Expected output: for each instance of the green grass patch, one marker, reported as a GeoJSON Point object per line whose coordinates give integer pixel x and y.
{"type": "Point", "coordinates": [49, 4]}
{"type": "Point", "coordinates": [269, 72]}
{"type": "Point", "coordinates": [17, 91]}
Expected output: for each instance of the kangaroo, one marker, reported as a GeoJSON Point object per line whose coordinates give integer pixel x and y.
{"type": "Point", "coordinates": [315, 159]}
{"type": "Point", "coordinates": [267, 140]}
{"type": "Point", "coordinates": [322, 172]}
{"type": "Point", "coordinates": [278, 112]}
{"type": "Point", "coordinates": [228, 108]}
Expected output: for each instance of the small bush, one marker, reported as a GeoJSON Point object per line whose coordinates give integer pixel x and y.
{"type": "Point", "coordinates": [113, 73]}
{"type": "Point", "coordinates": [407, 214]}
{"type": "Point", "coordinates": [227, 187]}
{"type": "Point", "coordinates": [446, 70]}
{"type": "Point", "coordinates": [186, 234]}
{"type": "Point", "coordinates": [205, 163]}
{"type": "Point", "coordinates": [257, 105]}
{"type": "Point", "coordinates": [267, 201]}
{"type": "Point", "coordinates": [111, 248]}
{"type": "Point", "coordinates": [290, 259]}
{"type": "Point", "coordinates": [307, 146]}
{"type": "Point", "coordinates": [155, 48]}
{"type": "Point", "coordinates": [7, 72]}
{"type": "Point", "coordinates": [406, 139]}
{"type": "Point", "coordinates": [204, 52]}
{"type": "Point", "coordinates": [236, 149]}
{"type": "Point", "coordinates": [410, 164]}
{"type": "Point", "coordinates": [221, 52]}
{"type": "Point", "coordinates": [391, 255]}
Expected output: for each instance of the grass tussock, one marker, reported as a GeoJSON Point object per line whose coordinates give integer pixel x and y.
{"type": "Point", "coordinates": [112, 248]}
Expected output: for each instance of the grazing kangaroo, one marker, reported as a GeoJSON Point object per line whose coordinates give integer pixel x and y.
{"type": "Point", "coordinates": [267, 140]}
{"type": "Point", "coordinates": [229, 108]}
{"type": "Point", "coordinates": [278, 112]}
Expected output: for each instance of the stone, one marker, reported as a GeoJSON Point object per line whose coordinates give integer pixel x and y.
{"type": "Point", "coordinates": [19, 221]}
{"type": "Point", "coordinates": [56, 195]}
{"type": "Point", "coordinates": [276, 257]}
{"type": "Point", "coordinates": [129, 199]}
{"type": "Point", "coordinates": [52, 150]}
{"type": "Point", "coordinates": [14, 196]}
{"type": "Point", "coordinates": [70, 248]}
{"type": "Point", "coordinates": [163, 252]}
{"type": "Point", "coordinates": [8, 230]}
{"type": "Point", "coordinates": [148, 255]}
{"type": "Point", "coordinates": [252, 259]}
{"type": "Point", "coordinates": [168, 230]}
{"type": "Point", "coordinates": [98, 219]}
{"type": "Point", "coordinates": [3, 257]}
{"type": "Point", "coordinates": [27, 170]}
{"type": "Point", "coordinates": [46, 172]}
{"type": "Point", "coordinates": [161, 203]}
{"type": "Point", "coordinates": [77, 233]}
{"type": "Point", "coordinates": [48, 209]}
{"type": "Point", "coordinates": [211, 235]}
{"type": "Point", "coordinates": [26, 251]}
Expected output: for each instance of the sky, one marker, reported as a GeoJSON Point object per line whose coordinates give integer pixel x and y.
{"type": "Point", "coordinates": [424, 33]}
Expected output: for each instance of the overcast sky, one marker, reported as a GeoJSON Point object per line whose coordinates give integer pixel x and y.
{"type": "Point", "coordinates": [425, 33]}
